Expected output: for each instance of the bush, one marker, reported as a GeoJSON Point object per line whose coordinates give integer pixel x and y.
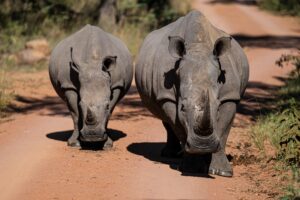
{"type": "Point", "coordinates": [281, 127]}
{"type": "Point", "coordinates": [22, 20]}
{"type": "Point", "coordinates": [288, 7]}
{"type": "Point", "coordinates": [282, 130]}
{"type": "Point", "coordinates": [138, 17]}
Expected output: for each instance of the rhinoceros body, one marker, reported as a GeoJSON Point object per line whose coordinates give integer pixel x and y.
{"type": "Point", "coordinates": [91, 71]}
{"type": "Point", "coordinates": [192, 75]}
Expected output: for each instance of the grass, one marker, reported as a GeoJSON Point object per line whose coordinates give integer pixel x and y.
{"type": "Point", "coordinates": [280, 129]}
{"type": "Point", "coordinates": [132, 35]}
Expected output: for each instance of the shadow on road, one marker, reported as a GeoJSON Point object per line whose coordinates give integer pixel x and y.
{"type": "Point", "coordinates": [54, 106]}
{"type": "Point", "coordinates": [256, 101]}
{"type": "Point", "coordinates": [64, 135]}
{"type": "Point", "coordinates": [268, 41]}
{"type": "Point", "coordinates": [151, 151]}
{"type": "Point", "coordinates": [60, 135]}
{"type": "Point", "coordinates": [133, 105]}
{"type": "Point", "coordinates": [92, 146]}
{"type": "Point", "coordinates": [259, 99]}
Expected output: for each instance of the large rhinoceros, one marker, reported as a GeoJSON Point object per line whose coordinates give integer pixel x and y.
{"type": "Point", "coordinates": [91, 71]}
{"type": "Point", "coordinates": [192, 75]}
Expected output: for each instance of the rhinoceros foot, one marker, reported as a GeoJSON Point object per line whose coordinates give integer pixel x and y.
{"type": "Point", "coordinates": [220, 165]}
{"type": "Point", "coordinates": [108, 144]}
{"type": "Point", "coordinates": [73, 143]}
{"type": "Point", "coordinates": [220, 172]}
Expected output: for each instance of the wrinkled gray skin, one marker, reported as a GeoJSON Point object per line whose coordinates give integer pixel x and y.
{"type": "Point", "coordinates": [192, 75]}
{"type": "Point", "coordinates": [91, 71]}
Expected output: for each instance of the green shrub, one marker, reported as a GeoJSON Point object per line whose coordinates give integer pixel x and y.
{"type": "Point", "coordinates": [281, 127]}
{"type": "Point", "coordinates": [22, 20]}
{"type": "Point", "coordinates": [288, 7]}
{"type": "Point", "coordinates": [282, 130]}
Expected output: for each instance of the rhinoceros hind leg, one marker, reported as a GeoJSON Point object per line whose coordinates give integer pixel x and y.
{"type": "Point", "coordinates": [72, 103]}
{"type": "Point", "coordinates": [219, 164]}
{"type": "Point", "coordinates": [172, 149]}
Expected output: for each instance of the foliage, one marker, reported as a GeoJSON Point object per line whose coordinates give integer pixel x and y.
{"type": "Point", "coordinates": [281, 127]}
{"type": "Point", "coordinates": [293, 189]}
{"type": "Point", "coordinates": [290, 59]}
{"type": "Point", "coordinates": [23, 20]}
{"type": "Point", "coordinates": [138, 17]}
{"type": "Point", "coordinates": [287, 7]}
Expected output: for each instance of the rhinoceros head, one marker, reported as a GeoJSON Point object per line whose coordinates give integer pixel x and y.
{"type": "Point", "coordinates": [94, 90]}
{"type": "Point", "coordinates": [199, 75]}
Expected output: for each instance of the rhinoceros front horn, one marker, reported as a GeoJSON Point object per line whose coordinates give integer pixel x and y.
{"type": "Point", "coordinates": [205, 126]}
{"type": "Point", "coordinates": [90, 119]}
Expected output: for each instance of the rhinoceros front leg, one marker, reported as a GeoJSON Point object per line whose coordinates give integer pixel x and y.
{"type": "Point", "coordinates": [115, 97]}
{"type": "Point", "coordinates": [172, 148]}
{"type": "Point", "coordinates": [72, 102]}
{"type": "Point", "coordinates": [219, 164]}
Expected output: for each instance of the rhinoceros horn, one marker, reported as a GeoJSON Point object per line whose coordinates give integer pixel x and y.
{"type": "Point", "coordinates": [90, 119]}
{"type": "Point", "coordinates": [205, 126]}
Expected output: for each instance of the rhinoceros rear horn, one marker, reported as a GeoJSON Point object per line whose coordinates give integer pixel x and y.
{"type": "Point", "coordinates": [222, 45]}
{"type": "Point", "coordinates": [176, 46]}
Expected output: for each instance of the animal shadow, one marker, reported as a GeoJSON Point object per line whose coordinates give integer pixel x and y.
{"type": "Point", "coordinates": [152, 151]}
{"type": "Point", "coordinates": [65, 135]}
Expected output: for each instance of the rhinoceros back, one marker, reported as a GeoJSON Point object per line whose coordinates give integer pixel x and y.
{"type": "Point", "coordinates": [146, 68]}
{"type": "Point", "coordinates": [61, 75]}
{"type": "Point", "coordinates": [155, 64]}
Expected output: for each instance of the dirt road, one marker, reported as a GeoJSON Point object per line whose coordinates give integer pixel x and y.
{"type": "Point", "coordinates": [36, 163]}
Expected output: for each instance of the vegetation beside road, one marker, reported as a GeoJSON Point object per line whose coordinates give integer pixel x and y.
{"type": "Point", "coordinates": [22, 21]}
{"type": "Point", "coordinates": [280, 129]}
{"type": "Point", "coordinates": [285, 7]}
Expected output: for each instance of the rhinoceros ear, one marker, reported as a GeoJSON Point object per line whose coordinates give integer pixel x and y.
{"type": "Point", "coordinates": [177, 46]}
{"type": "Point", "coordinates": [109, 62]}
{"type": "Point", "coordinates": [73, 64]}
{"type": "Point", "coordinates": [222, 45]}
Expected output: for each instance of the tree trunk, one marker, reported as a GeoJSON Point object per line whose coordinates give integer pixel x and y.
{"type": "Point", "coordinates": [108, 14]}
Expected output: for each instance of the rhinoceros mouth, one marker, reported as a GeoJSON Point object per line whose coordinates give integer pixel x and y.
{"type": "Point", "coordinates": [93, 138]}
{"type": "Point", "coordinates": [202, 145]}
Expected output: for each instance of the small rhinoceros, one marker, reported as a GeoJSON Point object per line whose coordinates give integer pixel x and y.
{"type": "Point", "coordinates": [91, 71]}
{"type": "Point", "coordinates": [192, 76]}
